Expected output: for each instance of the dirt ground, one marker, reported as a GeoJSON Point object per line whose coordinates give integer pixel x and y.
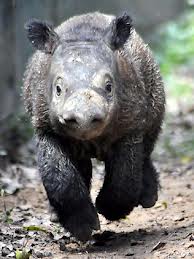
{"type": "Point", "coordinates": [164, 231]}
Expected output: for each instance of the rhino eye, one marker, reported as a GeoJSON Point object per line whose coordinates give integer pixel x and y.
{"type": "Point", "coordinates": [58, 90]}
{"type": "Point", "coordinates": [58, 86]}
{"type": "Point", "coordinates": [108, 87]}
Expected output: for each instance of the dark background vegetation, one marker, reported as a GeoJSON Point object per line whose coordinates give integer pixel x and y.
{"type": "Point", "coordinates": [168, 26]}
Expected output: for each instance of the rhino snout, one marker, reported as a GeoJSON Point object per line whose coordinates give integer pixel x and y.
{"type": "Point", "coordinates": [84, 111]}
{"type": "Point", "coordinates": [73, 119]}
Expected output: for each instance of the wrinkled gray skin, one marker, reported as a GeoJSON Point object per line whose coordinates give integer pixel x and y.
{"type": "Point", "coordinates": [84, 108]}
{"type": "Point", "coordinates": [93, 89]}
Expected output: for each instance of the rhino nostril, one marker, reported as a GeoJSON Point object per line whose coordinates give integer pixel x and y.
{"type": "Point", "coordinates": [97, 119]}
{"type": "Point", "coordinates": [81, 120]}
{"type": "Point", "coordinates": [70, 121]}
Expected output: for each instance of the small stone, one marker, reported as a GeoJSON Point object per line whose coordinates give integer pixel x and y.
{"type": "Point", "coordinates": [54, 218]}
{"type": "Point", "coordinates": [188, 186]}
{"type": "Point", "coordinates": [12, 254]}
{"type": "Point", "coordinates": [129, 253]}
{"type": "Point", "coordinates": [42, 254]}
{"type": "Point", "coordinates": [10, 247]}
{"type": "Point", "coordinates": [159, 245]}
{"type": "Point", "coordinates": [48, 254]}
{"type": "Point", "coordinates": [165, 233]}
{"type": "Point", "coordinates": [190, 245]}
{"type": "Point", "coordinates": [5, 251]}
{"type": "Point", "coordinates": [19, 231]}
{"type": "Point", "coordinates": [191, 238]}
{"type": "Point", "coordinates": [62, 246]}
{"type": "Point", "coordinates": [38, 254]}
{"type": "Point", "coordinates": [2, 245]}
{"type": "Point", "coordinates": [179, 218]}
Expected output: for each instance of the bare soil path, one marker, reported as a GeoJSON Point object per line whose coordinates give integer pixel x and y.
{"type": "Point", "coordinates": [164, 231]}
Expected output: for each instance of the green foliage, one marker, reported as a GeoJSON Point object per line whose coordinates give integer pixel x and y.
{"type": "Point", "coordinates": [15, 131]}
{"type": "Point", "coordinates": [174, 50]}
{"type": "Point", "coordinates": [5, 216]}
{"type": "Point", "coordinates": [179, 87]}
{"type": "Point", "coordinates": [36, 228]}
{"type": "Point", "coordinates": [22, 254]}
{"type": "Point", "coordinates": [21, 126]}
{"type": "Point", "coordinates": [175, 43]}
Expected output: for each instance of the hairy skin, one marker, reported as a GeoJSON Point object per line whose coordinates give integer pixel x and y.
{"type": "Point", "coordinates": [123, 181]}
{"type": "Point", "coordinates": [66, 189]}
{"type": "Point", "coordinates": [124, 135]}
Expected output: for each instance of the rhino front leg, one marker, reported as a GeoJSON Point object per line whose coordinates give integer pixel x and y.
{"type": "Point", "coordinates": [66, 189]}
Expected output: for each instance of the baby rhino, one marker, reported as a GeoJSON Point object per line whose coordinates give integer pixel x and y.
{"type": "Point", "coordinates": [93, 90]}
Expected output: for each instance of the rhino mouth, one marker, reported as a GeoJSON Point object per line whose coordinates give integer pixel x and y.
{"type": "Point", "coordinates": [86, 133]}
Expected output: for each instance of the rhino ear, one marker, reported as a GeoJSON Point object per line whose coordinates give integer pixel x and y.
{"type": "Point", "coordinates": [42, 36]}
{"type": "Point", "coordinates": [119, 31]}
